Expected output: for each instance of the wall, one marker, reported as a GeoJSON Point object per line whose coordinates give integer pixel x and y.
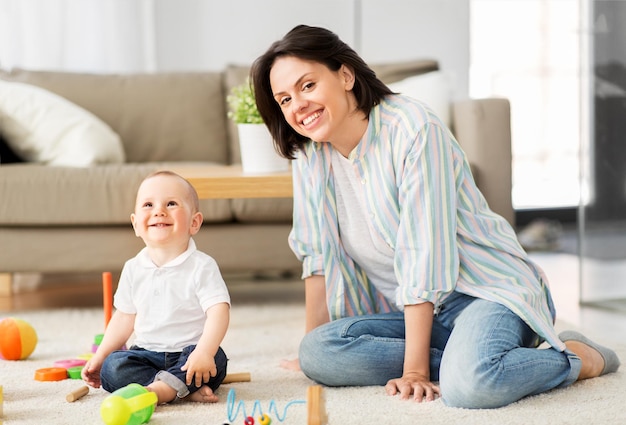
{"type": "Point", "coordinates": [200, 34]}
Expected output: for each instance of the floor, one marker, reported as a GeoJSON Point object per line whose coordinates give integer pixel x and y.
{"type": "Point", "coordinates": [562, 269]}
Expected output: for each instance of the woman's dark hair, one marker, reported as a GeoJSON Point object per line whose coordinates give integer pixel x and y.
{"type": "Point", "coordinates": [318, 45]}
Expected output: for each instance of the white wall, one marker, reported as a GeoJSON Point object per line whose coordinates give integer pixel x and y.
{"type": "Point", "coordinates": [197, 35]}
{"type": "Point", "coordinates": [209, 34]}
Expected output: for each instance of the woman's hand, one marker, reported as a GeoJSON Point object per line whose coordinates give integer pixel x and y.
{"type": "Point", "coordinates": [413, 383]}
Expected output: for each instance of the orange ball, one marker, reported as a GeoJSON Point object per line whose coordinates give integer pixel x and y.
{"type": "Point", "coordinates": [18, 339]}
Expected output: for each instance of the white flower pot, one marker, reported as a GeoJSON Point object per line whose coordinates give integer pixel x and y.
{"type": "Point", "coordinates": [257, 150]}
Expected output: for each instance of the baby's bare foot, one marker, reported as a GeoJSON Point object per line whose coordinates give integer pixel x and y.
{"type": "Point", "coordinates": [203, 395]}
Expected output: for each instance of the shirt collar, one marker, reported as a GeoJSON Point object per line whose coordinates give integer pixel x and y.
{"type": "Point", "coordinates": [146, 262]}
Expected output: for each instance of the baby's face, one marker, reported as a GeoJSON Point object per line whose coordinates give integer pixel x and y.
{"type": "Point", "coordinates": [164, 212]}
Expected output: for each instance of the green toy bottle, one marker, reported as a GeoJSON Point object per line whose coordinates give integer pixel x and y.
{"type": "Point", "coordinates": [131, 405]}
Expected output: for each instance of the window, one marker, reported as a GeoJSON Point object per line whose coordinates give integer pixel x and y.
{"type": "Point", "coordinates": [528, 51]}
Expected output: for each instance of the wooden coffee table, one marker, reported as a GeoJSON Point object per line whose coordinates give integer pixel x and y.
{"type": "Point", "coordinates": [230, 182]}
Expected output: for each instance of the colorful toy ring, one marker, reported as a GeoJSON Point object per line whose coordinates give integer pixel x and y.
{"type": "Point", "coordinates": [67, 364]}
{"type": "Point", "coordinates": [249, 421]}
{"type": "Point", "coordinates": [51, 374]}
{"type": "Point", "coordinates": [265, 419]}
{"type": "Point", "coordinates": [74, 372]}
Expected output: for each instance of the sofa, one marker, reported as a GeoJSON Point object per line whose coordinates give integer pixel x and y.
{"type": "Point", "coordinates": [59, 216]}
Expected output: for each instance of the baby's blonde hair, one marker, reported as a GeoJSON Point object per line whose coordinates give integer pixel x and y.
{"type": "Point", "coordinates": [193, 195]}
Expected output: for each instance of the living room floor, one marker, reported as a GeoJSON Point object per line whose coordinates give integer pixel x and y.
{"type": "Point", "coordinates": [562, 269]}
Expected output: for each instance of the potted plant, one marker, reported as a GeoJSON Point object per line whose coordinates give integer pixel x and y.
{"type": "Point", "coordinates": [256, 146]}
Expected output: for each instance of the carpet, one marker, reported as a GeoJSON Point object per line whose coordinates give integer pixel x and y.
{"type": "Point", "coordinates": [259, 337]}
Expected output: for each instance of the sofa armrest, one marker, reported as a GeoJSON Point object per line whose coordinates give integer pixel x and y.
{"type": "Point", "coordinates": [483, 128]}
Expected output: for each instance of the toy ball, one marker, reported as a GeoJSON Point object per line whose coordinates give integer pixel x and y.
{"type": "Point", "coordinates": [18, 339]}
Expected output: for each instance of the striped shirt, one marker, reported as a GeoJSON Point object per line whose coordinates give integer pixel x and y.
{"type": "Point", "coordinates": [423, 202]}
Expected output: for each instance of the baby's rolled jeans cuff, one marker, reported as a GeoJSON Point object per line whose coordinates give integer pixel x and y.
{"type": "Point", "coordinates": [171, 380]}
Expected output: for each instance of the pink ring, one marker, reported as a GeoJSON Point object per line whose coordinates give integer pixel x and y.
{"type": "Point", "coordinates": [66, 364]}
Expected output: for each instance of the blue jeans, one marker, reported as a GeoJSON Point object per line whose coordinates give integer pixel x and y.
{"type": "Point", "coordinates": [481, 353]}
{"type": "Point", "coordinates": [141, 366]}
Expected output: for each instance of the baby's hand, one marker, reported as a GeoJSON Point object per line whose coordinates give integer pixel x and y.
{"type": "Point", "coordinates": [91, 373]}
{"type": "Point", "coordinates": [201, 366]}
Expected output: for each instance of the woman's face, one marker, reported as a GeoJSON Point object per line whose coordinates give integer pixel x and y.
{"type": "Point", "coordinates": [317, 103]}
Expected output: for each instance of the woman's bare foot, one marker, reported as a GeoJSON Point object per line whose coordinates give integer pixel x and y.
{"type": "Point", "coordinates": [203, 395]}
{"type": "Point", "coordinates": [293, 364]}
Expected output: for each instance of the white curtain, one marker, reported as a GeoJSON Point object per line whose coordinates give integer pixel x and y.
{"type": "Point", "coordinates": [78, 35]}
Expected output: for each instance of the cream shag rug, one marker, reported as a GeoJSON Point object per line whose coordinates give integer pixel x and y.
{"type": "Point", "coordinates": [259, 337]}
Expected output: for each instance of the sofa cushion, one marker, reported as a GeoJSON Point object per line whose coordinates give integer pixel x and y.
{"type": "Point", "coordinates": [160, 117]}
{"type": "Point", "coordinates": [35, 195]}
{"type": "Point", "coordinates": [432, 88]}
{"type": "Point", "coordinates": [44, 127]}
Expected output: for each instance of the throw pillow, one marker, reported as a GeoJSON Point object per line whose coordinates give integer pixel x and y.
{"type": "Point", "coordinates": [432, 88]}
{"type": "Point", "coordinates": [43, 127]}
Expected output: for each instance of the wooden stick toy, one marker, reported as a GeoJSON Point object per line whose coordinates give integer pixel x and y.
{"type": "Point", "coordinates": [316, 414]}
{"type": "Point", "coordinates": [107, 292]}
{"type": "Point", "coordinates": [237, 377]}
{"type": "Point", "coordinates": [77, 394]}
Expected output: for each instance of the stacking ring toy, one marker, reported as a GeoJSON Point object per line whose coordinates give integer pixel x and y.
{"type": "Point", "coordinates": [67, 364]}
{"type": "Point", "coordinates": [51, 374]}
{"type": "Point", "coordinates": [74, 372]}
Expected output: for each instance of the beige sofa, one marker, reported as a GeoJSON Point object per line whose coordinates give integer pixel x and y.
{"type": "Point", "coordinates": [76, 219]}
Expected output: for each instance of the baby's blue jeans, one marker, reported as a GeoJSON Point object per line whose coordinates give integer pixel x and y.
{"type": "Point", "coordinates": [137, 365]}
{"type": "Point", "coordinates": [482, 354]}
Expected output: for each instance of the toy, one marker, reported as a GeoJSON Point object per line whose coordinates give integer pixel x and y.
{"type": "Point", "coordinates": [18, 339]}
{"type": "Point", "coordinates": [75, 372]}
{"type": "Point", "coordinates": [107, 297]}
{"type": "Point", "coordinates": [130, 405]}
{"type": "Point", "coordinates": [236, 377]}
{"type": "Point", "coordinates": [316, 413]}
{"type": "Point", "coordinates": [1, 402]}
{"type": "Point", "coordinates": [51, 374]}
{"type": "Point", "coordinates": [77, 394]}
{"type": "Point", "coordinates": [68, 363]}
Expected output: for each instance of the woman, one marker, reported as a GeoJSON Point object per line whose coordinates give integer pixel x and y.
{"type": "Point", "coordinates": [410, 278]}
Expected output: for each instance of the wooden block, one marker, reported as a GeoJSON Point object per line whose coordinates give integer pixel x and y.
{"type": "Point", "coordinates": [315, 406]}
{"type": "Point", "coordinates": [237, 377]}
{"type": "Point", "coordinates": [77, 393]}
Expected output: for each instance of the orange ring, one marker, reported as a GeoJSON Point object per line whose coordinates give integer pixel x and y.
{"type": "Point", "coordinates": [51, 374]}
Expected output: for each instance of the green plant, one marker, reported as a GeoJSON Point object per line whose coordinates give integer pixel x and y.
{"type": "Point", "coordinates": [242, 105]}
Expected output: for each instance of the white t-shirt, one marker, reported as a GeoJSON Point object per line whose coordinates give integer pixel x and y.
{"type": "Point", "coordinates": [362, 244]}
{"type": "Point", "coordinates": [170, 302]}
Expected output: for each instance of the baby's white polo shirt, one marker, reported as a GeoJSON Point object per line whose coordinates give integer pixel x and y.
{"type": "Point", "coordinates": [170, 301]}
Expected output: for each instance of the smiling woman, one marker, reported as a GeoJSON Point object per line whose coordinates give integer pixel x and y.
{"type": "Point", "coordinates": [412, 280]}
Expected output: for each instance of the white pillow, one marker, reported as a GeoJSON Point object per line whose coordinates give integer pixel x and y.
{"type": "Point", "coordinates": [432, 88]}
{"type": "Point", "coordinates": [41, 126]}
